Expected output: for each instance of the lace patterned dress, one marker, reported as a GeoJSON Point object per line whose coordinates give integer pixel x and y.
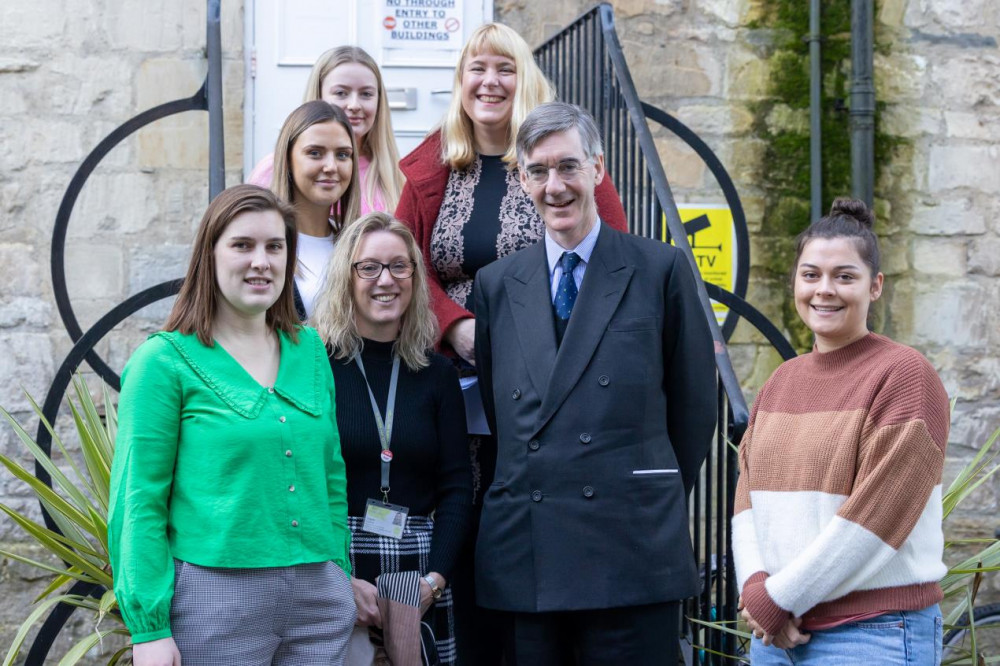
{"type": "Point", "coordinates": [485, 215]}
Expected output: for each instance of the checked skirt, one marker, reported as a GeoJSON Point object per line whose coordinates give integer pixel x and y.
{"type": "Point", "coordinates": [372, 554]}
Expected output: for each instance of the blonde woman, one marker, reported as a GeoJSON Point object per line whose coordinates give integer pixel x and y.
{"type": "Point", "coordinates": [347, 77]}
{"type": "Point", "coordinates": [315, 169]}
{"type": "Point", "coordinates": [374, 315]}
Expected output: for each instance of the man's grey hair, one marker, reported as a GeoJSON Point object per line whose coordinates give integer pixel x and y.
{"type": "Point", "coordinates": [551, 118]}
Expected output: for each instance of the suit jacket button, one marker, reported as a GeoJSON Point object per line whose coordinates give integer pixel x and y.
{"type": "Point", "coordinates": [533, 445]}
{"type": "Point", "coordinates": [515, 394]}
{"type": "Point", "coordinates": [588, 492]}
{"type": "Point", "coordinates": [604, 380]}
{"type": "Point", "coordinates": [585, 438]}
{"type": "Point", "coordinates": [536, 495]}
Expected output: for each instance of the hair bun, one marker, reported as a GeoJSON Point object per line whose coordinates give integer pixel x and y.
{"type": "Point", "coordinates": [853, 208]}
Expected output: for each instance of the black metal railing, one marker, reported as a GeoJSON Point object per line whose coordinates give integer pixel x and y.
{"type": "Point", "coordinates": [586, 63]}
{"type": "Point", "coordinates": [208, 98]}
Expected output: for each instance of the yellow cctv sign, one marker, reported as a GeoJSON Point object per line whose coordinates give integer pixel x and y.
{"type": "Point", "coordinates": [713, 240]}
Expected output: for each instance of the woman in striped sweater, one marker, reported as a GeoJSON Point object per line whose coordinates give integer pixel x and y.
{"type": "Point", "coordinates": [837, 528]}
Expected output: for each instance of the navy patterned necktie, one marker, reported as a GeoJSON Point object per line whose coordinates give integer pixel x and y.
{"type": "Point", "coordinates": [565, 292]}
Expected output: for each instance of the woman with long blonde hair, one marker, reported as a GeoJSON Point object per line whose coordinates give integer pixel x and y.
{"type": "Point", "coordinates": [347, 77]}
{"type": "Point", "coordinates": [375, 317]}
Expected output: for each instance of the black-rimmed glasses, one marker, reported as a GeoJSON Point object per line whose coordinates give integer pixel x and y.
{"type": "Point", "coordinates": [372, 270]}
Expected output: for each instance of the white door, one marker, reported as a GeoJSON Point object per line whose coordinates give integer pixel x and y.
{"type": "Point", "coordinates": [415, 42]}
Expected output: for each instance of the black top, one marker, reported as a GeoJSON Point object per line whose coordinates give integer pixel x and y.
{"type": "Point", "coordinates": [484, 215]}
{"type": "Point", "coordinates": [430, 455]}
{"type": "Point", "coordinates": [479, 235]}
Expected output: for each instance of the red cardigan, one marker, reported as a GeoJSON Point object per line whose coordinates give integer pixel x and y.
{"type": "Point", "coordinates": [420, 203]}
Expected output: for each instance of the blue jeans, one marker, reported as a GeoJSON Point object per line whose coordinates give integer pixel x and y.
{"type": "Point", "coordinates": [906, 638]}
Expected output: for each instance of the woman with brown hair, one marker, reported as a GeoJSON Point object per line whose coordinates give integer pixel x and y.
{"type": "Point", "coordinates": [228, 520]}
{"type": "Point", "coordinates": [316, 170]}
{"type": "Point", "coordinates": [837, 528]}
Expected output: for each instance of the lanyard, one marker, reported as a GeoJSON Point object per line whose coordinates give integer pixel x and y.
{"type": "Point", "coordinates": [384, 427]}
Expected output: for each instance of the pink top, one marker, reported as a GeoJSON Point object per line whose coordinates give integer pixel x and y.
{"type": "Point", "coordinates": [262, 173]}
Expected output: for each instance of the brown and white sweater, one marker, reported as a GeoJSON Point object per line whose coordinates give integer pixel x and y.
{"type": "Point", "coordinates": [838, 505]}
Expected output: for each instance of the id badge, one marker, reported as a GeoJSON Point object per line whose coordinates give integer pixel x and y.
{"type": "Point", "coordinates": [385, 519]}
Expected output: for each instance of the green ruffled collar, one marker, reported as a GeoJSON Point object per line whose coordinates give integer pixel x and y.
{"type": "Point", "coordinates": [299, 375]}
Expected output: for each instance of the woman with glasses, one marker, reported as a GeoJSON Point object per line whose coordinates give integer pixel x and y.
{"type": "Point", "coordinates": [397, 402]}
{"type": "Point", "coordinates": [465, 205]}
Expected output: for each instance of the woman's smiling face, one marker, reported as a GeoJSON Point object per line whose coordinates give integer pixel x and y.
{"type": "Point", "coordinates": [833, 290]}
{"type": "Point", "coordinates": [488, 85]}
{"type": "Point", "coordinates": [321, 163]}
{"type": "Point", "coordinates": [354, 88]}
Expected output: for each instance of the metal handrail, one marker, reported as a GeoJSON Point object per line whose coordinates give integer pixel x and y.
{"type": "Point", "coordinates": [586, 63]}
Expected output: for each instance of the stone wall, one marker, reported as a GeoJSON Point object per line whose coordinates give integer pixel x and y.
{"type": "Point", "coordinates": [941, 82]}
{"type": "Point", "coordinates": [70, 72]}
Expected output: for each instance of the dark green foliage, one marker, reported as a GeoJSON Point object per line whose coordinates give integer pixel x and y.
{"type": "Point", "coordinates": [785, 174]}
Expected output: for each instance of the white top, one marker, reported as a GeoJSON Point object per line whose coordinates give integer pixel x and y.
{"type": "Point", "coordinates": [313, 255]}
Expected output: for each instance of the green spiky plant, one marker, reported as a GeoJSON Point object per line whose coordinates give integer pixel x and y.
{"type": "Point", "coordinates": [960, 584]}
{"type": "Point", "coordinates": [962, 581]}
{"type": "Point", "coordinates": [79, 508]}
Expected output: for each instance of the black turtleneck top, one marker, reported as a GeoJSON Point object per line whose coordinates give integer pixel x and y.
{"type": "Point", "coordinates": [430, 470]}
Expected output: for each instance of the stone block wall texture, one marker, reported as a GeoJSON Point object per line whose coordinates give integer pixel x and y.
{"type": "Point", "coordinates": [71, 71]}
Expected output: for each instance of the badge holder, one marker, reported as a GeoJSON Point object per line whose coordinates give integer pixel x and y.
{"type": "Point", "coordinates": [381, 517]}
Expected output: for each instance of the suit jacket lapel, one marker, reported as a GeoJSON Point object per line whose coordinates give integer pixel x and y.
{"type": "Point", "coordinates": [528, 291]}
{"type": "Point", "coordinates": [604, 283]}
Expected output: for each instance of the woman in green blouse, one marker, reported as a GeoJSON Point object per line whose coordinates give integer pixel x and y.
{"type": "Point", "coordinates": [228, 519]}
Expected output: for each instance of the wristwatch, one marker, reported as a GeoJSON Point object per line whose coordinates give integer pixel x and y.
{"type": "Point", "coordinates": [435, 590]}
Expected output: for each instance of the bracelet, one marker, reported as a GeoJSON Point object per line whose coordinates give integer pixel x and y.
{"type": "Point", "coordinates": [435, 590]}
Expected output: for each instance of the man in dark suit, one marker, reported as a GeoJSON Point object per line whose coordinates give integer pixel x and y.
{"type": "Point", "coordinates": [598, 378]}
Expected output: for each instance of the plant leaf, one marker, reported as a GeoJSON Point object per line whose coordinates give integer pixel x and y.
{"type": "Point", "coordinates": [964, 483]}
{"type": "Point", "coordinates": [53, 542]}
{"type": "Point", "coordinates": [57, 582]}
{"type": "Point", "coordinates": [98, 466]}
{"type": "Point", "coordinates": [45, 567]}
{"type": "Point", "coordinates": [720, 626]}
{"type": "Point", "coordinates": [44, 460]}
{"type": "Point", "coordinates": [22, 632]}
{"type": "Point", "coordinates": [117, 656]}
{"type": "Point", "coordinates": [84, 645]}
